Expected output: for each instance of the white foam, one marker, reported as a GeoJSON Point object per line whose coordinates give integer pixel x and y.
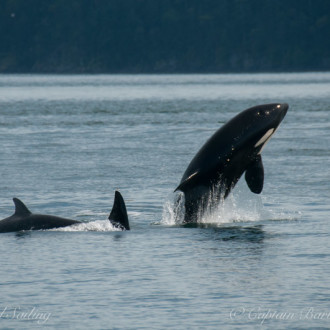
{"type": "Point", "coordinates": [98, 225]}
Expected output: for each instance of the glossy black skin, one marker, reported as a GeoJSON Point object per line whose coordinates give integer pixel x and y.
{"type": "Point", "coordinates": [24, 219]}
{"type": "Point", "coordinates": [118, 216]}
{"type": "Point", "coordinates": [222, 160]}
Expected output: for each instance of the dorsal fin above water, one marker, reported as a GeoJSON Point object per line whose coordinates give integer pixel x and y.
{"type": "Point", "coordinates": [20, 208]}
{"type": "Point", "coordinates": [118, 215]}
{"type": "Point", "coordinates": [254, 175]}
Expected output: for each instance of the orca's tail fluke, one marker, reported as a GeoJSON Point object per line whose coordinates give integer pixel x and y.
{"type": "Point", "coordinates": [118, 215]}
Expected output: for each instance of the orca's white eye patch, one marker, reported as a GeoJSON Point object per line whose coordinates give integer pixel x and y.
{"type": "Point", "coordinates": [266, 137]}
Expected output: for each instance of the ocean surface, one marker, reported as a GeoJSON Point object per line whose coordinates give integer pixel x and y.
{"type": "Point", "coordinates": [69, 141]}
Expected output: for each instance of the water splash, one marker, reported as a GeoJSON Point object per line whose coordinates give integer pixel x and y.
{"type": "Point", "coordinates": [239, 206]}
{"type": "Point", "coordinates": [173, 209]}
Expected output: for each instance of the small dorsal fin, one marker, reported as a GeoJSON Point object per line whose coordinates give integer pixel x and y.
{"type": "Point", "coordinates": [254, 175]}
{"type": "Point", "coordinates": [20, 208]}
{"type": "Point", "coordinates": [118, 215]}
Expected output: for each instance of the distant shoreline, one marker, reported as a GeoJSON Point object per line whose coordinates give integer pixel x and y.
{"type": "Point", "coordinates": [164, 37]}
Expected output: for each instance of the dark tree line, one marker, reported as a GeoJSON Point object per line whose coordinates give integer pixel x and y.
{"type": "Point", "coordinates": [164, 35]}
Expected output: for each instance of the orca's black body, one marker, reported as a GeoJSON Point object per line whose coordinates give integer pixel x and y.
{"type": "Point", "coordinates": [233, 149]}
{"type": "Point", "coordinates": [24, 219]}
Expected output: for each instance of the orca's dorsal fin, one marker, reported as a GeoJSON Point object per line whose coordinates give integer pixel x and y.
{"type": "Point", "coordinates": [254, 175]}
{"type": "Point", "coordinates": [118, 215]}
{"type": "Point", "coordinates": [20, 208]}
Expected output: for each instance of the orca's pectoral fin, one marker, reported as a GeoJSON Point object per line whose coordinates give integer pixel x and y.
{"type": "Point", "coordinates": [185, 184]}
{"type": "Point", "coordinates": [254, 175]}
{"type": "Point", "coordinates": [20, 208]}
{"type": "Point", "coordinates": [118, 215]}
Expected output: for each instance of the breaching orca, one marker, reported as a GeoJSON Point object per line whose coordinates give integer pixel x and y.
{"type": "Point", "coordinates": [233, 149]}
{"type": "Point", "coordinates": [24, 219]}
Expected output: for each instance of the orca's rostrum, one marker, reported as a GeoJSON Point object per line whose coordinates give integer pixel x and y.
{"type": "Point", "coordinates": [233, 149]}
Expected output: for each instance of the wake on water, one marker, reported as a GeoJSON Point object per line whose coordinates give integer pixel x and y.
{"type": "Point", "coordinates": [97, 225]}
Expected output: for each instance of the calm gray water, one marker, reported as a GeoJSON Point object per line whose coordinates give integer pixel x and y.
{"type": "Point", "coordinates": [67, 142]}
